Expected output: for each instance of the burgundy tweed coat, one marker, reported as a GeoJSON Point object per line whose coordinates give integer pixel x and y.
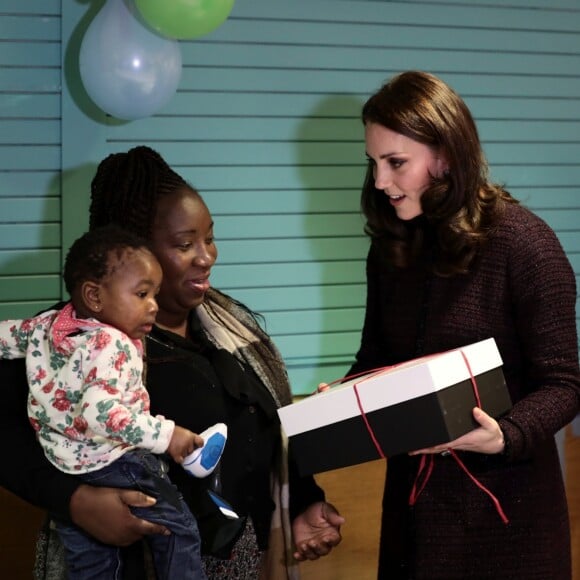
{"type": "Point", "coordinates": [521, 291]}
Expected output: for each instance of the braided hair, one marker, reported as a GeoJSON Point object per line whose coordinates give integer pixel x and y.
{"type": "Point", "coordinates": [126, 189]}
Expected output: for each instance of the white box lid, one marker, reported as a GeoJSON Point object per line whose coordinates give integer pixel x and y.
{"type": "Point", "coordinates": [394, 385]}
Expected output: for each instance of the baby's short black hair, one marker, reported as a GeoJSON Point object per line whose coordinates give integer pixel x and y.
{"type": "Point", "coordinates": [88, 257]}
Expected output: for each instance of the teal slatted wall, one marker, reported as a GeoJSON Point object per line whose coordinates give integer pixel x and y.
{"type": "Point", "coordinates": [30, 220]}
{"type": "Point", "coordinates": [265, 124]}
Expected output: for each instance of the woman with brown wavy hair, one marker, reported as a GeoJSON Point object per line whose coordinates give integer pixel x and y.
{"type": "Point", "coordinates": [455, 259]}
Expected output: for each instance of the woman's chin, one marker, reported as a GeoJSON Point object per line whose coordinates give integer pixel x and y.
{"type": "Point", "coordinates": [408, 213]}
{"type": "Point", "coordinates": [197, 299]}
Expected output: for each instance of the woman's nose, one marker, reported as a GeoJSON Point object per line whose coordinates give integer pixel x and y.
{"type": "Point", "coordinates": [204, 258]}
{"type": "Point", "coordinates": [382, 178]}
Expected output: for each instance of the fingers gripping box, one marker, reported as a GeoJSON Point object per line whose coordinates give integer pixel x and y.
{"type": "Point", "coordinates": [416, 404]}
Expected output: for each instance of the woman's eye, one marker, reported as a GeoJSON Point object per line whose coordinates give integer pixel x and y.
{"type": "Point", "coordinates": [184, 246]}
{"type": "Point", "coordinates": [396, 163]}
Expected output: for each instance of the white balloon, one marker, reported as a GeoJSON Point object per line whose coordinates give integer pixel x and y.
{"type": "Point", "coordinates": [129, 71]}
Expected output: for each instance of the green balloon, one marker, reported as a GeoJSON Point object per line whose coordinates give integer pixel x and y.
{"type": "Point", "coordinates": [181, 19]}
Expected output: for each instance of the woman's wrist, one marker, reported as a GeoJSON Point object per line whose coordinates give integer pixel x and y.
{"type": "Point", "coordinates": [502, 444]}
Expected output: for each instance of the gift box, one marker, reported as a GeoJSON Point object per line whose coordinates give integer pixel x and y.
{"type": "Point", "coordinates": [417, 404]}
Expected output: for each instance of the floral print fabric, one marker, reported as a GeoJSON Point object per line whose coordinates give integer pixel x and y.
{"type": "Point", "coordinates": [87, 401]}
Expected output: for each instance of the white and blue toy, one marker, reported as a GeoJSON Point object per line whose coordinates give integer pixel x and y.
{"type": "Point", "coordinates": [203, 460]}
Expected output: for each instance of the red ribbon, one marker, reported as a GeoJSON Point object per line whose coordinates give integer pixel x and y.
{"type": "Point", "coordinates": [427, 461]}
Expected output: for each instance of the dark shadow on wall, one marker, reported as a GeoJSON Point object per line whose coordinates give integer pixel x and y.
{"type": "Point", "coordinates": [37, 269]}
{"type": "Point", "coordinates": [71, 68]}
{"type": "Point", "coordinates": [32, 272]}
{"type": "Point", "coordinates": [331, 179]}
{"type": "Point", "coordinates": [75, 196]}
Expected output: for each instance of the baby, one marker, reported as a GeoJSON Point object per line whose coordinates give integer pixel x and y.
{"type": "Point", "coordinates": [89, 407]}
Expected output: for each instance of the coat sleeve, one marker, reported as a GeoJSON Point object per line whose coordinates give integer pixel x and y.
{"type": "Point", "coordinates": [25, 470]}
{"type": "Point", "coordinates": [544, 287]}
{"type": "Point", "coordinates": [14, 337]}
{"type": "Point", "coordinates": [115, 402]}
{"type": "Point", "coordinates": [304, 491]}
{"type": "Point", "coordinates": [369, 355]}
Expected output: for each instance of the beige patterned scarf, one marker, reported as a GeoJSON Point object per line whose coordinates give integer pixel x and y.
{"type": "Point", "coordinates": [231, 327]}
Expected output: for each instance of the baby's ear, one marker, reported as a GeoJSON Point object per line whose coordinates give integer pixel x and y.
{"type": "Point", "coordinates": [90, 296]}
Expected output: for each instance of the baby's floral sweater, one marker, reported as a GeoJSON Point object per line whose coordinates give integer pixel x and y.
{"type": "Point", "coordinates": [87, 401]}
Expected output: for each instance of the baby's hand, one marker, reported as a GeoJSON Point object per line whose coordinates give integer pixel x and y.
{"type": "Point", "coordinates": [182, 444]}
